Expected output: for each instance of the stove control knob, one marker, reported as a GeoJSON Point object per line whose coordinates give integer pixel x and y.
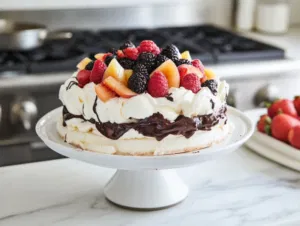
{"type": "Point", "coordinates": [267, 93]}
{"type": "Point", "coordinates": [24, 111]}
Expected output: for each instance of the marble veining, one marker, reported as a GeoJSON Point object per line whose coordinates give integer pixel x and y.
{"type": "Point", "coordinates": [239, 189]}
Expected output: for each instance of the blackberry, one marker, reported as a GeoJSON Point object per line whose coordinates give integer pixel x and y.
{"type": "Point", "coordinates": [90, 66]}
{"type": "Point", "coordinates": [126, 63]}
{"type": "Point", "coordinates": [140, 68]}
{"type": "Point", "coordinates": [108, 59]}
{"type": "Point", "coordinates": [137, 83]}
{"type": "Point", "coordinates": [113, 51]}
{"type": "Point", "coordinates": [182, 61]}
{"type": "Point", "coordinates": [212, 85]}
{"type": "Point", "coordinates": [127, 44]}
{"type": "Point", "coordinates": [160, 59]}
{"type": "Point", "coordinates": [147, 59]}
{"type": "Point", "coordinates": [171, 51]}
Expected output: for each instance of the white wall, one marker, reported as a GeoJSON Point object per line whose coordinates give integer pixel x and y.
{"type": "Point", "coordinates": [193, 12]}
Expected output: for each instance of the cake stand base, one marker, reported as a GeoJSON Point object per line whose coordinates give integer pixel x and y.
{"type": "Point", "coordinates": [146, 189]}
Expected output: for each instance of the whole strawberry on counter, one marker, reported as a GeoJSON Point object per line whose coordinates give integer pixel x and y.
{"type": "Point", "coordinates": [282, 106]}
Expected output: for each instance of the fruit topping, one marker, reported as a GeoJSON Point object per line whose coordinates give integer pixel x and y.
{"type": "Point", "coordinates": [131, 53]}
{"type": "Point", "coordinates": [127, 75]}
{"type": "Point", "coordinates": [186, 55]}
{"type": "Point", "coordinates": [198, 64]}
{"type": "Point", "coordinates": [141, 68]}
{"type": "Point", "coordinates": [282, 106]}
{"type": "Point", "coordinates": [185, 69]}
{"type": "Point", "coordinates": [212, 85]}
{"type": "Point", "coordinates": [209, 74]}
{"type": "Point", "coordinates": [137, 83]}
{"type": "Point", "coordinates": [158, 85]}
{"type": "Point", "coordinates": [297, 104]}
{"type": "Point", "coordinates": [191, 82]}
{"type": "Point", "coordinates": [147, 59]}
{"type": "Point", "coordinates": [89, 66]}
{"type": "Point", "coordinates": [148, 46]}
{"type": "Point", "coordinates": [100, 56]}
{"type": "Point", "coordinates": [264, 124]}
{"type": "Point", "coordinates": [104, 93]}
{"type": "Point", "coordinates": [293, 137]}
{"type": "Point", "coordinates": [83, 77]}
{"type": "Point", "coordinates": [160, 59]}
{"type": "Point", "coordinates": [108, 58]}
{"type": "Point", "coordinates": [115, 70]}
{"type": "Point", "coordinates": [281, 125]}
{"type": "Point", "coordinates": [182, 61]}
{"type": "Point", "coordinates": [82, 64]}
{"type": "Point", "coordinates": [120, 54]}
{"type": "Point", "coordinates": [98, 71]}
{"type": "Point", "coordinates": [126, 63]}
{"type": "Point", "coordinates": [127, 44]}
{"type": "Point", "coordinates": [118, 87]}
{"type": "Point", "coordinates": [169, 69]}
{"type": "Point", "coordinates": [172, 52]}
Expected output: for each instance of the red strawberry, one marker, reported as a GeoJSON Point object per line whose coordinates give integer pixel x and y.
{"type": "Point", "coordinates": [191, 82]}
{"type": "Point", "coordinates": [83, 77]}
{"type": "Point", "coordinates": [264, 124]}
{"type": "Point", "coordinates": [98, 71]}
{"type": "Point", "coordinates": [131, 53]}
{"type": "Point", "coordinates": [148, 46]}
{"type": "Point", "coordinates": [294, 137]}
{"type": "Point", "coordinates": [198, 64]}
{"type": "Point", "coordinates": [120, 54]}
{"type": "Point", "coordinates": [297, 104]}
{"type": "Point", "coordinates": [281, 125]}
{"type": "Point", "coordinates": [282, 106]}
{"type": "Point", "coordinates": [158, 85]}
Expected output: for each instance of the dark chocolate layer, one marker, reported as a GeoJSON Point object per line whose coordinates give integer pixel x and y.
{"type": "Point", "coordinates": [155, 125]}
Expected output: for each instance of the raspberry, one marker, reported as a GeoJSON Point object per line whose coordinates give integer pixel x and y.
{"type": "Point", "coordinates": [147, 59]}
{"type": "Point", "coordinates": [89, 66]}
{"type": "Point", "coordinates": [131, 53]}
{"type": "Point", "coordinates": [98, 71]}
{"type": "Point", "coordinates": [191, 82]}
{"type": "Point", "coordinates": [172, 52]}
{"type": "Point", "coordinates": [158, 85]}
{"type": "Point", "coordinates": [182, 61]}
{"type": "Point", "coordinates": [127, 44]}
{"type": "Point", "coordinates": [141, 68]}
{"type": "Point", "coordinates": [126, 63]}
{"type": "Point", "coordinates": [148, 46]}
{"type": "Point", "coordinates": [137, 83]}
{"type": "Point", "coordinates": [160, 59]}
{"type": "Point", "coordinates": [83, 77]}
{"type": "Point", "coordinates": [120, 54]}
{"type": "Point", "coordinates": [212, 85]}
{"type": "Point", "coordinates": [108, 58]}
{"type": "Point", "coordinates": [198, 64]}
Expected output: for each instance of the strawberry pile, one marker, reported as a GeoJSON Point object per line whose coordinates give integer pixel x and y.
{"type": "Point", "coordinates": [282, 121]}
{"type": "Point", "coordinates": [131, 70]}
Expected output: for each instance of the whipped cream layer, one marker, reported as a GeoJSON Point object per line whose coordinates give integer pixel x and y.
{"type": "Point", "coordinates": [80, 101]}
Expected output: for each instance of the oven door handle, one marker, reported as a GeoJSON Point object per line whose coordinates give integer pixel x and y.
{"type": "Point", "coordinates": [37, 145]}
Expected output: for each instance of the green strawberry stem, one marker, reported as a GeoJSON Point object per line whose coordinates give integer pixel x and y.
{"type": "Point", "coordinates": [268, 130]}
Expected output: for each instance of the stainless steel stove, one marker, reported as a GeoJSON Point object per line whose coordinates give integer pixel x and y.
{"type": "Point", "coordinates": [21, 107]}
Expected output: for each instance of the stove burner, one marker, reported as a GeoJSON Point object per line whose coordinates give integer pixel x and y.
{"type": "Point", "coordinates": [208, 43]}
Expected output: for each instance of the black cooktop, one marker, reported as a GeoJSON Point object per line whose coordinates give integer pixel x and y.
{"type": "Point", "coordinates": [212, 45]}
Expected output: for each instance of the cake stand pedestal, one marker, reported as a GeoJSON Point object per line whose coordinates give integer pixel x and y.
{"type": "Point", "coordinates": [146, 182]}
{"type": "Point", "coordinates": [146, 189]}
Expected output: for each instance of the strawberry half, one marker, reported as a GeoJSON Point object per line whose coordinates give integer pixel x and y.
{"type": "Point", "coordinates": [98, 71]}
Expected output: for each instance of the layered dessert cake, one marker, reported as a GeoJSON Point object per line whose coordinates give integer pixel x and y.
{"type": "Point", "coordinates": [143, 100]}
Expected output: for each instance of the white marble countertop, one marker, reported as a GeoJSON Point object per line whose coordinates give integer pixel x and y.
{"type": "Point", "coordinates": [239, 189]}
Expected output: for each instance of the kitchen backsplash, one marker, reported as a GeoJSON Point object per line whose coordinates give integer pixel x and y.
{"type": "Point", "coordinates": [195, 12]}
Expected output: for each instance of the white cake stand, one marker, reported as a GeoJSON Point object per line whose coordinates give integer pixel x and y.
{"type": "Point", "coordinates": [146, 182]}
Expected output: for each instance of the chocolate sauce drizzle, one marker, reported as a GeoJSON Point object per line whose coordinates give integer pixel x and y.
{"type": "Point", "coordinates": [169, 97]}
{"type": "Point", "coordinates": [155, 125]}
{"type": "Point", "coordinates": [72, 83]}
